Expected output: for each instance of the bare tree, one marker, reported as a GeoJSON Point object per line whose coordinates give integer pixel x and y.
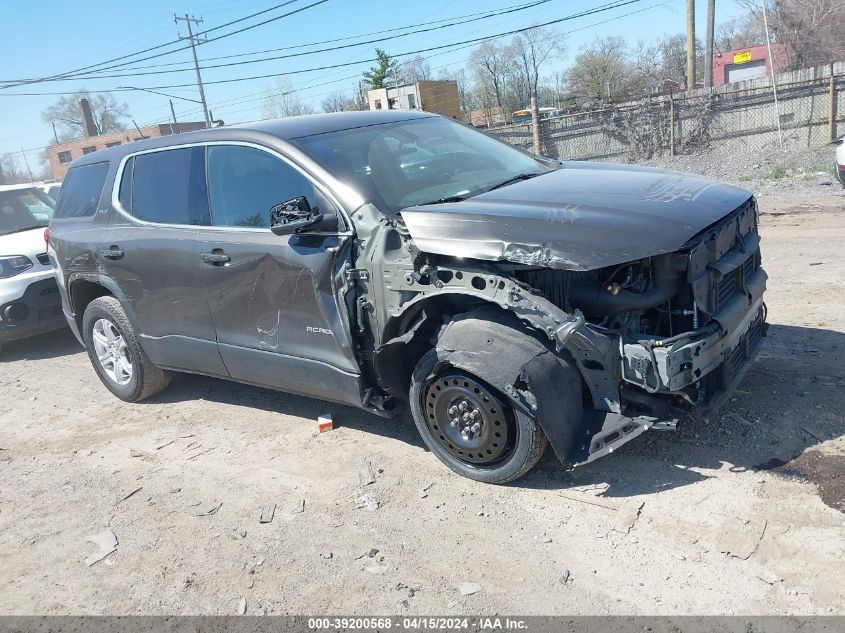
{"type": "Point", "coordinates": [491, 65]}
{"type": "Point", "coordinates": [109, 114]}
{"type": "Point", "coordinates": [11, 173]}
{"type": "Point", "coordinates": [809, 30]}
{"type": "Point", "coordinates": [336, 102]}
{"type": "Point", "coordinates": [414, 70]}
{"type": "Point", "coordinates": [532, 50]}
{"type": "Point", "coordinates": [739, 32]}
{"type": "Point", "coordinates": [282, 101]}
{"type": "Point", "coordinates": [601, 71]}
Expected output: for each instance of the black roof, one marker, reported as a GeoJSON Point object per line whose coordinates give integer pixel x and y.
{"type": "Point", "coordinates": [284, 129]}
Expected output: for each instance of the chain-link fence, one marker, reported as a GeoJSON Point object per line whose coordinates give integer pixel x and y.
{"type": "Point", "coordinates": [810, 108]}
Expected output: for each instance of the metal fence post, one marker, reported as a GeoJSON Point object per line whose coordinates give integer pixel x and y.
{"type": "Point", "coordinates": [535, 126]}
{"type": "Point", "coordinates": [671, 125]}
{"type": "Point", "coordinates": [832, 121]}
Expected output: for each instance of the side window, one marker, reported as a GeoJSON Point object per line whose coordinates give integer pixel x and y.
{"type": "Point", "coordinates": [167, 187]}
{"type": "Point", "coordinates": [80, 192]}
{"type": "Point", "coordinates": [244, 183]}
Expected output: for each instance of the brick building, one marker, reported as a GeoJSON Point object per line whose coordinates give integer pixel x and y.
{"type": "Point", "coordinates": [747, 63]}
{"type": "Point", "coordinates": [59, 156]}
{"type": "Point", "coordinates": [440, 97]}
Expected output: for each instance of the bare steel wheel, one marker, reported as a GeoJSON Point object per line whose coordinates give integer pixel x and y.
{"type": "Point", "coordinates": [468, 420]}
{"type": "Point", "coordinates": [112, 351]}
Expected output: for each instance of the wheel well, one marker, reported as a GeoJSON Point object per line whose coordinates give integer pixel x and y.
{"type": "Point", "coordinates": [83, 292]}
{"type": "Point", "coordinates": [409, 336]}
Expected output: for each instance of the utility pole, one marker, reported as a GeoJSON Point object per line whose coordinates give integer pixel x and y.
{"type": "Point", "coordinates": [194, 40]}
{"type": "Point", "coordinates": [690, 44]}
{"type": "Point", "coordinates": [172, 111]}
{"type": "Point", "coordinates": [708, 47]}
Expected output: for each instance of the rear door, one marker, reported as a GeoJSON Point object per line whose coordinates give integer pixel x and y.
{"type": "Point", "coordinates": [151, 251]}
{"type": "Point", "coordinates": [274, 299]}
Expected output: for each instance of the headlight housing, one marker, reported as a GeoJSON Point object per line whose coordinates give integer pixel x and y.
{"type": "Point", "coordinates": [11, 265]}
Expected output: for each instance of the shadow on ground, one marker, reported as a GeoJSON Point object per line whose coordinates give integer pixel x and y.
{"type": "Point", "coordinates": [51, 345]}
{"type": "Point", "coordinates": [790, 401]}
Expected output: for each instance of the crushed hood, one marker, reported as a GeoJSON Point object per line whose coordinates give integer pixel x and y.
{"type": "Point", "coordinates": [581, 217]}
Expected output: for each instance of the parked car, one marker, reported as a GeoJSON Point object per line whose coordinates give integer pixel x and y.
{"type": "Point", "coordinates": [29, 298]}
{"type": "Point", "coordinates": [509, 301]}
{"type": "Point", "coordinates": [839, 161]}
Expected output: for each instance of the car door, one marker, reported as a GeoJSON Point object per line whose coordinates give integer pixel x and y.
{"type": "Point", "coordinates": [274, 299]}
{"type": "Point", "coordinates": [150, 251]}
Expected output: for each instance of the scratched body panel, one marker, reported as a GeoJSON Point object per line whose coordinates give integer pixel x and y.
{"type": "Point", "coordinates": [275, 295]}
{"type": "Point", "coordinates": [581, 217]}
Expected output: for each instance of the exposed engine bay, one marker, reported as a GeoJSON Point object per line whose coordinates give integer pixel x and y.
{"type": "Point", "coordinates": [654, 338]}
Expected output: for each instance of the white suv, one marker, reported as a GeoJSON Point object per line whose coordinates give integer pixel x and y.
{"type": "Point", "coordinates": [29, 298]}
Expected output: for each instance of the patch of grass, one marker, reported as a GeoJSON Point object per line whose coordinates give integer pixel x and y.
{"type": "Point", "coordinates": [814, 169]}
{"type": "Point", "coordinates": [778, 172]}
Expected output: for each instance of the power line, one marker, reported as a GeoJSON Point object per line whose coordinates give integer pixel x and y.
{"type": "Point", "coordinates": [304, 53]}
{"type": "Point", "coordinates": [600, 9]}
{"type": "Point", "coordinates": [482, 14]}
{"type": "Point", "coordinates": [14, 83]}
{"type": "Point", "coordinates": [242, 99]}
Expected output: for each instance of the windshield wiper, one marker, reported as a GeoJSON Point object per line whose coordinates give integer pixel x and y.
{"type": "Point", "coordinates": [445, 200]}
{"type": "Point", "coordinates": [514, 179]}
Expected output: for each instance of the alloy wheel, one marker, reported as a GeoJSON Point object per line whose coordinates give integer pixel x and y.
{"type": "Point", "coordinates": [112, 352]}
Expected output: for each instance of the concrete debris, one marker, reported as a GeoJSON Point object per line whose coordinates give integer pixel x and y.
{"type": "Point", "coordinates": [124, 498]}
{"type": "Point", "coordinates": [368, 501]}
{"type": "Point", "coordinates": [626, 516]}
{"type": "Point", "coordinates": [211, 510]}
{"type": "Point", "coordinates": [106, 543]}
{"type": "Point", "coordinates": [192, 502]}
{"type": "Point", "coordinates": [564, 579]}
{"type": "Point", "coordinates": [366, 475]}
{"type": "Point", "coordinates": [468, 588]}
{"type": "Point", "coordinates": [372, 553]}
{"type": "Point", "coordinates": [158, 448]}
{"type": "Point", "coordinates": [740, 538]}
{"type": "Point", "coordinates": [267, 513]}
{"type": "Point", "coordinates": [768, 577]}
{"type": "Point", "coordinates": [300, 507]}
{"type": "Point", "coordinates": [134, 453]}
{"type": "Point", "coordinates": [241, 609]}
{"type": "Point", "coordinates": [376, 569]}
{"type": "Point", "coordinates": [423, 494]}
{"type": "Point", "coordinates": [626, 513]}
{"type": "Point", "coordinates": [327, 555]}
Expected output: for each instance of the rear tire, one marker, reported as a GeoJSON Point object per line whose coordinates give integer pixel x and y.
{"type": "Point", "coordinates": [508, 443]}
{"type": "Point", "coordinates": [118, 359]}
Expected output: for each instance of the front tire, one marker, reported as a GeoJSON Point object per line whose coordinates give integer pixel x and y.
{"type": "Point", "coordinates": [118, 359]}
{"type": "Point", "coordinates": [470, 426]}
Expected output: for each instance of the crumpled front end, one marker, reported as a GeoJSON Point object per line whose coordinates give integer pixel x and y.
{"type": "Point", "coordinates": [684, 328]}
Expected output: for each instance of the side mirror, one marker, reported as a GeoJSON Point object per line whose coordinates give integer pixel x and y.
{"type": "Point", "coordinates": [292, 216]}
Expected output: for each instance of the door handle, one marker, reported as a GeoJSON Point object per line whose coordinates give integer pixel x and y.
{"type": "Point", "coordinates": [216, 258]}
{"type": "Point", "coordinates": [113, 252]}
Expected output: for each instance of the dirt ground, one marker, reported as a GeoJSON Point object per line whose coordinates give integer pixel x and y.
{"type": "Point", "coordinates": [740, 513]}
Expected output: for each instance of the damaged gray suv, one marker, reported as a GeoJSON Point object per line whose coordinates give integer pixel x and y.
{"type": "Point", "coordinates": [392, 259]}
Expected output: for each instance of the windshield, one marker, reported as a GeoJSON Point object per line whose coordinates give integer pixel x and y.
{"type": "Point", "coordinates": [407, 163]}
{"type": "Point", "coordinates": [22, 209]}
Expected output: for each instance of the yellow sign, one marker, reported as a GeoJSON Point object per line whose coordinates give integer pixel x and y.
{"type": "Point", "coordinates": [741, 57]}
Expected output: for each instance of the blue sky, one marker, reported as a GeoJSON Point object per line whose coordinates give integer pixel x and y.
{"type": "Point", "coordinates": [41, 39]}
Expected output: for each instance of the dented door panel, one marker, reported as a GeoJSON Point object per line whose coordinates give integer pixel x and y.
{"type": "Point", "coordinates": [273, 299]}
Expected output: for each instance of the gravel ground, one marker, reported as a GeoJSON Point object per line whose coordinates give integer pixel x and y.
{"type": "Point", "coordinates": [739, 513]}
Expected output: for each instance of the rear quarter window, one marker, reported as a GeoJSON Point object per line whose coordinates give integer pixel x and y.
{"type": "Point", "coordinates": [81, 191]}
